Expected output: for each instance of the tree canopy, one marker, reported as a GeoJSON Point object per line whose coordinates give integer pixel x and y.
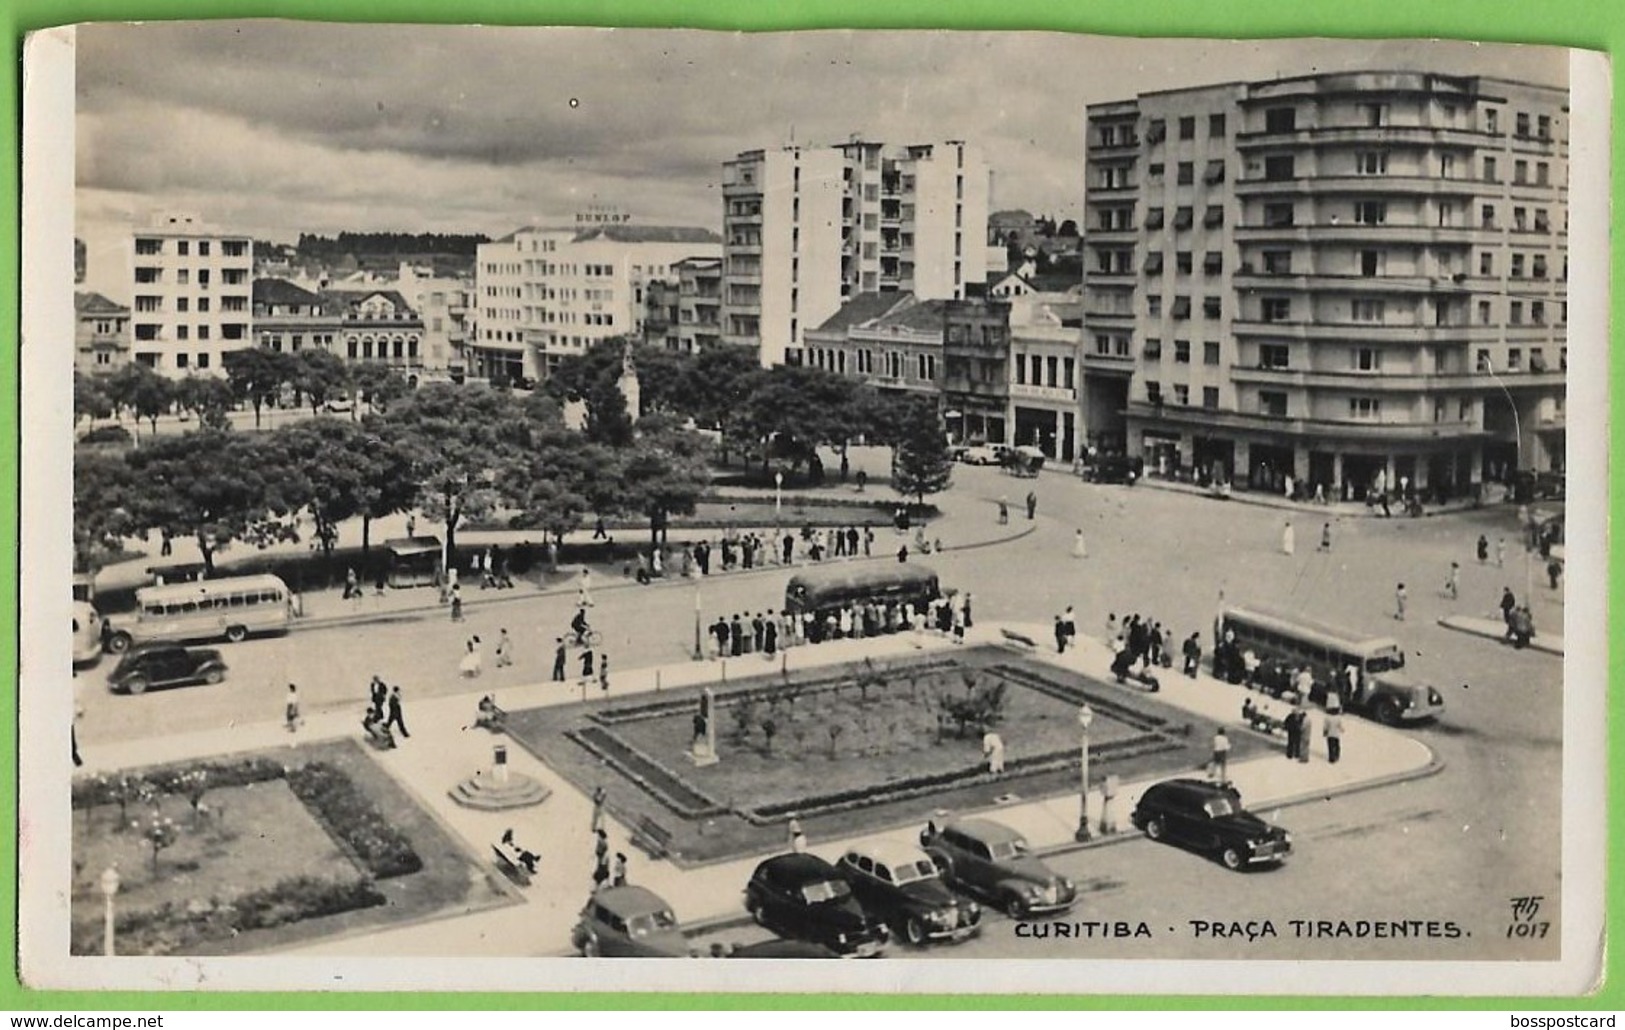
{"type": "Point", "coordinates": [921, 462]}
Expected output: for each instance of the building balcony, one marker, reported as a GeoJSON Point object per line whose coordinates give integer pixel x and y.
{"type": "Point", "coordinates": [965, 386]}
{"type": "Point", "coordinates": [1319, 185]}
{"type": "Point", "coordinates": [1359, 232]}
{"type": "Point", "coordinates": [1118, 236]}
{"type": "Point", "coordinates": [1374, 135]}
{"type": "Point", "coordinates": [1108, 318]}
{"type": "Point", "coordinates": [1120, 146]}
{"type": "Point", "coordinates": [1394, 382]}
{"type": "Point", "coordinates": [1110, 364]}
{"type": "Point", "coordinates": [1333, 431]}
{"type": "Point", "coordinates": [1127, 276]}
{"type": "Point", "coordinates": [1366, 332]}
{"type": "Point", "coordinates": [1406, 285]}
{"type": "Point", "coordinates": [1123, 190]}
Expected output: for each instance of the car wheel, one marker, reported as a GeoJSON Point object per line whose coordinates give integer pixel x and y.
{"type": "Point", "coordinates": [136, 684]}
{"type": "Point", "coordinates": [589, 947]}
{"type": "Point", "coordinates": [118, 643]}
{"type": "Point", "coordinates": [213, 676]}
{"type": "Point", "coordinates": [1231, 857]}
{"type": "Point", "coordinates": [1154, 828]}
{"type": "Point", "coordinates": [914, 930]}
{"type": "Point", "coordinates": [1015, 906]}
{"type": "Point", "coordinates": [757, 912]}
{"type": "Point", "coordinates": [1388, 712]}
{"type": "Point", "coordinates": [236, 634]}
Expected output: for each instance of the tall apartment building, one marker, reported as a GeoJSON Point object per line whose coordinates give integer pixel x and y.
{"type": "Point", "coordinates": [1356, 279]}
{"type": "Point", "coordinates": [807, 228]}
{"type": "Point", "coordinates": [544, 293]}
{"type": "Point", "coordinates": [699, 304]}
{"type": "Point", "coordinates": [191, 294]}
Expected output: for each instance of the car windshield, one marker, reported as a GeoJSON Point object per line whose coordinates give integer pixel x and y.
{"type": "Point", "coordinates": [652, 922]}
{"type": "Point", "coordinates": [829, 890]}
{"type": "Point", "coordinates": [1006, 849]}
{"type": "Point", "coordinates": [1218, 808]}
{"type": "Point", "coordinates": [908, 872]}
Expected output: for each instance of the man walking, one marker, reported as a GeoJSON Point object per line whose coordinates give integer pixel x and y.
{"type": "Point", "coordinates": [1032, 505]}
{"type": "Point", "coordinates": [599, 796]}
{"type": "Point", "coordinates": [1452, 585]}
{"type": "Point", "coordinates": [584, 589]}
{"type": "Point", "coordinates": [1509, 603]}
{"type": "Point", "coordinates": [1399, 602]}
{"type": "Point", "coordinates": [1060, 636]}
{"type": "Point", "coordinates": [1193, 654]}
{"type": "Point", "coordinates": [559, 657]}
{"type": "Point", "coordinates": [1293, 724]}
{"type": "Point", "coordinates": [1221, 756]}
{"type": "Point", "coordinates": [290, 714]}
{"type": "Point", "coordinates": [1500, 552]}
{"type": "Point", "coordinates": [1333, 729]}
{"type": "Point", "coordinates": [1004, 511]}
{"type": "Point", "coordinates": [1325, 536]}
{"type": "Point", "coordinates": [1288, 540]}
{"type": "Point", "coordinates": [504, 648]}
{"type": "Point", "coordinates": [396, 718]}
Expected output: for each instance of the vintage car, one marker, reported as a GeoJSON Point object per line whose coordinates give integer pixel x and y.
{"type": "Point", "coordinates": [1208, 817]}
{"type": "Point", "coordinates": [981, 454]}
{"type": "Point", "coordinates": [989, 859]}
{"type": "Point", "coordinates": [783, 949]}
{"type": "Point", "coordinates": [804, 897]}
{"type": "Point", "coordinates": [165, 665]}
{"type": "Point", "coordinates": [900, 884]}
{"type": "Point", "coordinates": [628, 922]}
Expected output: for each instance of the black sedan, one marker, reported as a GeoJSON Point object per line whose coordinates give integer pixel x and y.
{"type": "Point", "coordinates": [165, 665]}
{"type": "Point", "coordinates": [804, 897]}
{"type": "Point", "coordinates": [992, 860]}
{"type": "Point", "coordinates": [1208, 817]}
{"type": "Point", "coordinates": [904, 887]}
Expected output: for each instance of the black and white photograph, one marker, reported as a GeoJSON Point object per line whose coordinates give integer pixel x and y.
{"type": "Point", "coordinates": [1033, 512]}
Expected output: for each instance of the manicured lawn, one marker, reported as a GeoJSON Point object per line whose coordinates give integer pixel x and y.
{"type": "Point", "coordinates": [262, 834]}
{"type": "Point", "coordinates": [888, 763]}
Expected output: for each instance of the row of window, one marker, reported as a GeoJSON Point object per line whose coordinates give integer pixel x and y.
{"type": "Point", "coordinates": [147, 246]}
{"type": "Point", "coordinates": [183, 276]}
{"type": "Point", "coordinates": [1032, 368]}
{"type": "Point", "coordinates": [147, 303]}
{"type": "Point", "coordinates": [1156, 129]}
{"type": "Point", "coordinates": [1182, 351]}
{"type": "Point", "coordinates": [1212, 307]}
{"type": "Point", "coordinates": [1185, 217]}
{"type": "Point", "coordinates": [152, 331]}
{"type": "Point", "coordinates": [1182, 394]}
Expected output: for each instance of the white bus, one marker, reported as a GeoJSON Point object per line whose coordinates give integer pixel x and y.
{"type": "Point", "coordinates": [1382, 689]}
{"type": "Point", "coordinates": [208, 609]}
{"type": "Point", "coordinates": [87, 633]}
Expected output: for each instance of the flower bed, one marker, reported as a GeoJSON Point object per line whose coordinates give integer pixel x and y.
{"type": "Point", "coordinates": [353, 821]}
{"type": "Point", "coordinates": [671, 789]}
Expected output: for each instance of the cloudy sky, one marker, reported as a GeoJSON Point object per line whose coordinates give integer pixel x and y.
{"type": "Point", "coordinates": [273, 128]}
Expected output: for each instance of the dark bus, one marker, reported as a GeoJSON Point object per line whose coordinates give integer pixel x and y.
{"type": "Point", "coordinates": [836, 586]}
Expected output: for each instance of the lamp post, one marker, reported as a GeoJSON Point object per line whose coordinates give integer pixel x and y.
{"type": "Point", "coordinates": [109, 884]}
{"type": "Point", "coordinates": [778, 496]}
{"type": "Point", "coordinates": [1086, 715]}
{"type": "Point", "coordinates": [699, 649]}
{"type": "Point", "coordinates": [1517, 443]}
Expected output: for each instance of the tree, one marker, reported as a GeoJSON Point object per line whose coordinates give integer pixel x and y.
{"type": "Point", "coordinates": [90, 398]}
{"type": "Point", "coordinates": [159, 832]}
{"type": "Point", "coordinates": [770, 729]}
{"type": "Point", "coordinates": [146, 393]}
{"type": "Point", "coordinates": [257, 375]}
{"type": "Point", "coordinates": [378, 385]}
{"type": "Point", "coordinates": [103, 488]}
{"type": "Point", "coordinates": [921, 463]}
{"type": "Point", "coordinates": [559, 481]}
{"type": "Point", "coordinates": [319, 375]}
{"type": "Point", "coordinates": [340, 470]}
{"type": "Point", "coordinates": [214, 486]}
{"type": "Point", "coordinates": [208, 398]}
{"type": "Point", "coordinates": [792, 410]}
{"type": "Point", "coordinates": [661, 474]}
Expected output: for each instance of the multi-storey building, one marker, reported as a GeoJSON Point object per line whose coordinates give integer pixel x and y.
{"type": "Point", "coordinates": [290, 318]}
{"type": "Point", "coordinates": [443, 303]}
{"type": "Point", "coordinates": [891, 341]}
{"type": "Point", "coordinates": [975, 369]}
{"type": "Point", "coordinates": [191, 288]}
{"type": "Point", "coordinates": [808, 228]}
{"type": "Point", "coordinates": [1044, 380]}
{"type": "Point", "coordinates": [377, 326]}
{"type": "Point", "coordinates": [1352, 279]}
{"type": "Point", "coordinates": [699, 304]}
{"type": "Point", "coordinates": [101, 337]}
{"type": "Point", "coordinates": [544, 293]}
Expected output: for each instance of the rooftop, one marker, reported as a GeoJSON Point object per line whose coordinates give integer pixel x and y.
{"type": "Point", "coordinates": [95, 304]}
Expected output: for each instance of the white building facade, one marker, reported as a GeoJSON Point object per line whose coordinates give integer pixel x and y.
{"type": "Point", "coordinates": [191, 295]}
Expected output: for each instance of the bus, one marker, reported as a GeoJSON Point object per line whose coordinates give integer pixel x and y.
{"type": "Point", "coordinates": [829, 587]}
{"type": "Point", "coordinates": [87, 633]}
{"type": "Point", "coordinates": [1383, 691]}
{"type": "Point", "coordinates": [209, 609]}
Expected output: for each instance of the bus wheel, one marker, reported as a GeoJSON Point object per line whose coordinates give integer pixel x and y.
{"type": "Point", "coordinates": [1388, 712]}
{"type": "Point", "coordinates": [118, 643]}
{"type": "Point", "coordinates": [236, 634]}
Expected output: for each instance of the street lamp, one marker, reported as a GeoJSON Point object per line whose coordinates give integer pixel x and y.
{"type": "Point", "coordinates": [699, 650]}
{"type": "Point", "coordinates": [1086, 715]}
{"type": "Point", "coordinates": [1517, 443]}
{"type": "Point", "coordinates": [778, 496]}
{"type": "Point", "coordinates": [109, 884]}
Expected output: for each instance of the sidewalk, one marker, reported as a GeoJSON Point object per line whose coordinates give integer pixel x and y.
{"type": "Point", "coordinates": [1330, 510]}
{"type": "Point", "coordinates": [1550, 643]}
{"type": "Point", "coordinates": [442, 751]}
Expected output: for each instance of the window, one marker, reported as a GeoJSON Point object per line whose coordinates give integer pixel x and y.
{"type": "Point", "coordinates": [1515, 313]}
{"type": "Point", "coordinates": [1152, 350]}
{"type": "Point", "coordinates": [1182, 308]}
{"type": "Point", "coordinates": [1274, 355]}
{"type": "Point", "coordinates": [1367, 310]}
{"type": "Point", "coordinates": [1153, 171]}
{"type": "Point", "coordinates": [1366, 359]}
{"type": "Point", "coordinates": [1375, 114]}
{"type": "Point", "coordinates": [1212, 307]}
{"type": "Point", "coordinates": [1520, 172]}
{"type": "Point", "coordinates": [1153, 218]}
{"type": "Point", "coordinates": [1537, 312]}
{"type": "Point", "coordinates": [1365, 408]}
{"type": "Point", "coordinates": [1213, 262]}
{"type": "Point", "coordinates": [1487, 216]}
{"type": "Point", "coordinates": [1447, 214]}
{"type": "Point", "coordinates": [1489, 170]}
{"type": "Point", "coordinates": [1182, 352]}
{"type": "Point", "coordinates": [1486, 263]}
{"type": "Point", "coordinates": [1182, 394]}
{"type": "Point", "coordinates": [1187, 127]}
{"type": "Point", "coordinates": [1210, 396]}
{"type": "Point", "coordinates": [1153, 391]}
{"type": "Point", "coordinates": [148, 275]}
{"type": "Point", "coordinates": [1069, 368]}
{"type": "Point", "coordinates": [1279, 167]}
{"type": "Point", "coordinates": [1186, 171]}
{"type": "Point", "coordinates": [1272, 402]}
{"type": "Point", "coordinates": [1483, 364]}
{"type": "Point", "coordinates": [183, 248]}
{"type": "Point", "coordinates": [1542, 220]}
{"type": "Point", "coordinates": [1213, 218]}
{"type": "Point", "coordinates": [182, 358]}
{"type": "Point", "coordinates": [1520, 219]}
{"type": "Point", "coordinates": [1215, 125]}
{"type": "Point", "coordinates": [1156, 130]}
{"type": "Point", "coordinates": [1492, 118]}
{"type": "Point", "coordinates": [1517, 266]}
{"type": "Point", "coordinates": [234, 248]}
{"type": "Point", "coordinates": [1371, 212]}
{"type": "Point", "coordinates": [1182, 262]}
{"type": "Point", "coordinates": [1277, 262]}
{"type": "Point", "coordinates": [1521, 124]}
{"type": "Point", "coordinates": [1153, 305]}
{"type": "Point", "coordinates": [146, 246]}
{"type": "Point", "coordinates": [1280, 119]}
{"type": "Point", "coordinates": [183, 277]}
{"type": "Point", "coordinates": [1372, 262]}
{"type": "Point", "coordinates": [203, 358]}
{"type": "Point", "coordinates": [148, 303]}
{"type": "Point", "coordinates": [1543, 127]}
{"type": "Point", "coordinates": [182, 332]}
{"type": "Point", "coordinates": [1371, 162]}
{"type": "Point", "coordinates": [1483, 312]}
{"type": "Point", "coordinates": [1278, 215]}
{"type": "Point", "coordinates": [1276, 309]}
{"type": "Point", "coordinates": [1447, 166]}
{"type": "Point", "coordinates": [1210, 352]}
{"type": "Point", "coordinates": [1514, 359]}
{"type": "Point", "coordinates": [1539, 271]}
{"type": "Point", "coordinates": [1184, 217]}
{"type": "Point", "coordinates": [1153, 262]}
{"type": "Point", "coordinates": [1214, 173]}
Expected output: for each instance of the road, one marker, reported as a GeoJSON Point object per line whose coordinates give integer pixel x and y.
{"type": "Point", "coordinates": [1457, 844]}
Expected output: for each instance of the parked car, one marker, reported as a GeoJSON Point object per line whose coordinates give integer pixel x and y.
{"type": "Point", "coordinates": [165, 665]}
{"type": "Point", "coordinates": [783, 949]}
{"type": "Point", "coordinates": [338, 406]}
{"type": "Point", "coordinates": [901, 885]}
{"type": "Point", "coordinates": [628, 922]}
{"type": "Point", "coordinates": [989, 859]}
{"type": "Point", "coordinates": [804, 897]}
{"type": "Point", "coordinates": [1115, 468]}
{"type": "Point", "coordinates": [981, 454]}
{"type": "Point", "coordinates": [1208, 817]}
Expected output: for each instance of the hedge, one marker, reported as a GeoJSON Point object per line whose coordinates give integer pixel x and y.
{"type": "Point", "coordinates": [338, 805]}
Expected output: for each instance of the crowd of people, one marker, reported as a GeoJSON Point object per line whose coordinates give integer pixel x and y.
{"type": "Point", "coordinates": [768, 632]}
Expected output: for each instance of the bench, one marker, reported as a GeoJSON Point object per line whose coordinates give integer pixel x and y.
{"type": "Point", "coordinates": [652, 838]}
{"type": "Point", "coordinates": [510, 858]}
{"type": "Point", "coordinates": [494, 719]}
{"type": "Point", "coordinates": [378, 735]}
{"type": "Point", "coordinates": [1262, 721]}
{"type": "Point", "coordinates": [1019, 638]}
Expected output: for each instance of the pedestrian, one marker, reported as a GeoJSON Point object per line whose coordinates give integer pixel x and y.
{"type": "Point", "coordinates": [1332, 727]}
{"type": "Point", "coordinates": [968, 622]}
{"type": "Point", "coordinates": [902, 555]}
{"type": "Point", "coordinates": [1399, 602]}
{"type": "Point", "coordinates": [1452, 585]}
{"type": "Point", "coordinates": [1483, 549]}
{"type": "Point", "coordinates": [600, 865]}
{"type": "Point", "coordinates": [1303, 684]}
{"type": "Point", "coordinates": [473, 662]}
{"type": "Point", "coordinates": [586, 665]}
{"type": "Point", "coordinates": [411, 525]}
{"type": "Point", "coordinates": [1509, 604]}
{"type": "Point", "coordinates": [396, 717]}
{"type": "Point", "coordinates": [352, 586]}
{"type": "Point", "coordinates": [1193, 654]}
{"type": "Point", "coordinates": [559, 658]}
{"type": "Point", "coordinates": [1032, 505]}
{"type": "Point", "coordinates": [1554, 572]}
{"type": "Point", "coordinates": [603, 674]}
{"type": "Point", "coordinates": [1069, 623]}
{"type": "Point", "coordinates": [1004, 511]}
{"type": "Point", "coordinates": [1221, 756]}
{"type": "Point", "coordinates": [1293, 724]}
{"type": "Point", "coordinates": [798, 836]}
{"type": "Point", "coordinates": [1304, 731]}
{"type": "Point", "coordinates": [1060, 636]}
{"type": "Point", "coordinates": [1325, 536]}
{"type": "Point", "coordinates": [504, 648]}
{"type": "Point", "coordinates": [1288, 539]}
{"type": "Point", "coordinates": [618, 878]}
{"type": "Point", "coordinates": [1112, 630]}
{"type": "Point", "coordinates": [1500, 552]}
{"type": "Point", "coordinates": [456, 603]}
{"type": "Point", "coordinates": [290, 713]}
{"type": "Point", "coordinates": [584, 589]}
{"type": "Point", "coordinates": [1079, 548]}
{"type": "Point", "coordinates": [993, 751]}
{"type": "Point", "coordinates": [599, 796]}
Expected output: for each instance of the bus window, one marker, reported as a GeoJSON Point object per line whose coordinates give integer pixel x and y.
{"type": "Point", "coordinates": [235, 600]}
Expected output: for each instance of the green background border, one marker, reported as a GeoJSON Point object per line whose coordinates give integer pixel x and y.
{"type": "Point", "coordinates": [1592, 24]}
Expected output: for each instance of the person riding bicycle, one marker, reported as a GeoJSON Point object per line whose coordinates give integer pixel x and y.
{"type": "Point", "coordinates": [579, 627]}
